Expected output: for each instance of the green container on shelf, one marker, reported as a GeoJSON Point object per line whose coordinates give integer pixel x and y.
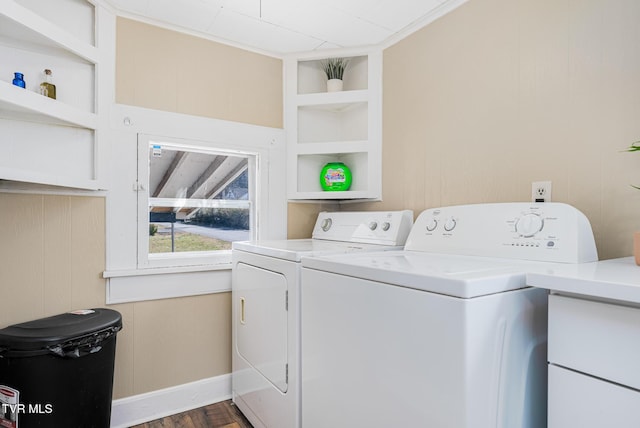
{"type": "Point", "coordinates": [335, 176]}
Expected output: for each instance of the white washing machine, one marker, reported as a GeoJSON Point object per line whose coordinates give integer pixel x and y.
{"type": "Point", "coordinates": [443, 334]}
{"type": "Point", "coordinates": [266, 307]}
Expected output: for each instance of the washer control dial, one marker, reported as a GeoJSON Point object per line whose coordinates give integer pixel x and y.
{"type": "Point", "coordinates": [529, 224]}
{"type": "Point", "coordinates": [386, 225]}
{"type": "Point", "coordinates": [431, 226]}
{"type": "Point", "coordinates": [326, 224]}
{"type": "Point", "coordinates": [450, 224]}
{"type": "Point", "coordinates": [373, 225]}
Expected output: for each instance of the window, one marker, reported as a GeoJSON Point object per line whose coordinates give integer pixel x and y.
{"type": "Point", "coordinates": [193, 202]}
{"type": "Point", "coordinates": [135, 274]}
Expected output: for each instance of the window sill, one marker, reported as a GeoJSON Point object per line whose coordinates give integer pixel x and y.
{"type": "Point", "coordinates": [136, 285]}
{"type": "Point", "coordinates": [165, 270]}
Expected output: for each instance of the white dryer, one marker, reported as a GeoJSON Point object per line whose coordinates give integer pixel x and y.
{"type": "Point", "coordinates": [443, 334]}
{"type": "Point", "coordinates": [266, 307]}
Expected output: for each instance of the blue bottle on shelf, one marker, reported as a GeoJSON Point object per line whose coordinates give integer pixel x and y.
{"type": "Point", "coordinates": [19, 80]}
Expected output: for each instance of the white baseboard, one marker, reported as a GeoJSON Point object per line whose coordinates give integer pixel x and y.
{"type": "Point", "coordinates": [138, 409]}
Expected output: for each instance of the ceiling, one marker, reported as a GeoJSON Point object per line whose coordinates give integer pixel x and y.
{"type": "Point", "coordinates": [279, 27]}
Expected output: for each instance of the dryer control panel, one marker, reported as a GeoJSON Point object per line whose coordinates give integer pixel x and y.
{"type": "Point", "coordinates": [552, 232]}
{"type": "Point", "coordinates": [370, 227]}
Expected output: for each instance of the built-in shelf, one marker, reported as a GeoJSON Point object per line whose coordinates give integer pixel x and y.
{"type": "Point", "coordinates": [333, 148]}
{"type": "Point", "coordinates": [317, 124]}
{"type": "Point", "coordinates": [27, 176]}
{"type": "Point", "coordinates": [23, 104]}
{"type": "Point", "coordinates": [326, 100]}
{"type": "Point", "coordinates": [310, 167]}
{"type": "Point", "coordinates": [350, 195]}
{"type": "Point", "coordinates": [50, 141]}
{"type": "Point", "coordinates": [342, 126]}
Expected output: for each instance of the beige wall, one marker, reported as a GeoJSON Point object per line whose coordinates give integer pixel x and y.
{"type": "Point", "coordinates": [500, 93]}
{"type": "Point", "coordinates": [52, 255]}
{"type": "Point", "coordinates": [166, 70]}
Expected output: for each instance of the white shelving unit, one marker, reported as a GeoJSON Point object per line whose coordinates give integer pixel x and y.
{"type": "Point", "coordinates": [46, 141]}
{"type": "Point", "coordinates": [325, 127]}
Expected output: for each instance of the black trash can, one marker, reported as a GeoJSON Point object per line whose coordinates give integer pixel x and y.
{"type": "Point", "coordinates": [58, 371]}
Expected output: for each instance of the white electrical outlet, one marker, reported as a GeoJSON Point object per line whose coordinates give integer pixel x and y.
{"type": "Point", "coordinates": [541, 191]}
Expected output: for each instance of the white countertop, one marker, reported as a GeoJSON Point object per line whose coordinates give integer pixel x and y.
{"type": "Point", "coordinates": [617, 279]}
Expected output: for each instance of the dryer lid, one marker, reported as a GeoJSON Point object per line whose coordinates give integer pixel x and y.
{"type": "Point", "coordinates": [294, 249]}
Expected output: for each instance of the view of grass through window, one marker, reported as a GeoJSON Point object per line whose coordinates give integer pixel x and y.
{"type": "Point", "coordinates": [200, 233]}
{"type": "Point", "coordinates": [184, 241]}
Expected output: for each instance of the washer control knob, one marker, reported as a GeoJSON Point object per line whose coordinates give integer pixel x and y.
{"type": "Point", "coordinates": [431, 226]}
{"type": "Point", "coordinates": [529, 224]}
{"type": "Point", "coordinates": [450, 224]}
{"type": "Point", "coordinates": [386, 225]}
{"type": "Point", "coordinates": [373, 225]}
{"type": "Point", "coordinates": [326, 224]}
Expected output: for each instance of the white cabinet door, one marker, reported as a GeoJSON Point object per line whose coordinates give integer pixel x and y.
{"type": "Point", "coordinates": [597, 338]}
{"type": "Point", "coordinates": [577, 400]}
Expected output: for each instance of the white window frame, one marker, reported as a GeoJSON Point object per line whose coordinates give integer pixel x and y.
{"type": "Point", "coordinates": [126, 282]}
{"type": "Point", "coordinates": [190, 258]}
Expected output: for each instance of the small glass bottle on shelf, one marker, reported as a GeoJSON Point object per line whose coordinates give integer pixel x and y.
{"type": "Point", "coordinates": [47, 88]}
{"type": "Point", "coordinates": [18, 80]}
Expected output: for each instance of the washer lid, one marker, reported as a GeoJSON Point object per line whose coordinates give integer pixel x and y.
{"type": "Point", "coordinates": [295, 249]}
{"type": "Point", "coordinates": [458, 276]}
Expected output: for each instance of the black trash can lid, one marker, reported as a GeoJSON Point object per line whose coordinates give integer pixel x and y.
{"type": "Point", "coordinates": [51, 331]}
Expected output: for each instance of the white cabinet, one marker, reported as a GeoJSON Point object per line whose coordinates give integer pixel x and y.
{"type": "Point", "coordinates": [594, 343]}
{"type": "Point", "coordinates": [344, 126]}
{"type": "Point", "coordinates": [594, 350]}
{"type": "Point", "coordinates": [49, 141]}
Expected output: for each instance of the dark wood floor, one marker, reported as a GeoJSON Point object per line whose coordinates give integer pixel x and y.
{"type": "Point", "coordinates": [219, 415]}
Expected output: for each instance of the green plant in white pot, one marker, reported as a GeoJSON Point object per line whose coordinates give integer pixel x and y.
{"type": "Point", "coordinates": [635, 147]}
{"type": "Point", "coordinates": [334, 69]}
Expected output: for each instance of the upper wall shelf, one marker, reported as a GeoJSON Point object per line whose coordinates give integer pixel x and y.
{"type": "Point", "coordinates": [53, 141]}
{"type": "Point", "coordinates": [312, 80]}
{"type": "Point", "coordinates": [344, 126]}
{"type": "Point", "coordinates": [328, 98]}
{"type": "Point", "coordinates": [27, 105]}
